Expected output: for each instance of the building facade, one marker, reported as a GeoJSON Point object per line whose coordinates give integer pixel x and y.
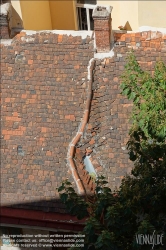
{"type": "Point", "coordinates": [77, 14]}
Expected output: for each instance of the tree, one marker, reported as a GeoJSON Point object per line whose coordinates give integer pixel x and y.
{"type": "Point", "coordinates": [116, 218]}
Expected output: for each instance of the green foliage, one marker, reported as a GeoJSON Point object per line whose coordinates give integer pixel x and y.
{"type": "Point", "coordinates": [74, 203]}
{"type": "Point", "coordinates": [148, 93]}
{"type": "Point", "coordinates": [115, 218]}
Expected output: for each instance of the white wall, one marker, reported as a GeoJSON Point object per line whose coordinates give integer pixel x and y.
{"type": "Point", "coordinates": [123, 12]}
{"type": "Point", "coordinates": [137, 13]}
{"type": "Point", "coordinates": [152, 13]}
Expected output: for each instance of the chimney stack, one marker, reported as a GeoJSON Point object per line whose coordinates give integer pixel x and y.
{"type": "Point", "coordinates": [102, 27]}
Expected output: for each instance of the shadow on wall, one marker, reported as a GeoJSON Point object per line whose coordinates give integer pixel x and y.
{"type": "Point", "coordinates": [15, 22]}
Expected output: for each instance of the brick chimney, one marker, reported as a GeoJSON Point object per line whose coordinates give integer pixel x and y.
{"type": "Point", "coordinates": [4, 22]}
{"type": "Point", "coordinates": [102, 27]}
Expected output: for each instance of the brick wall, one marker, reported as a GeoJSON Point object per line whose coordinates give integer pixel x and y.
{"type": "Point", "coordinates": [102, 34]}
{"type": "Point", "coordinates": [102, 27]}
{"type": "Point", "coordinates": [44, 85]}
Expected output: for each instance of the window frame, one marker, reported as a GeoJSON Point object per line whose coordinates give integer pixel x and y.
{"type": "Point", "coordinates": [87, 7]}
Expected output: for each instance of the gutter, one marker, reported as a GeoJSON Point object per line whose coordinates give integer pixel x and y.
{"type": "Point", "coordinates": [71, 149]}
{"type": "Point", "coordinates": [24, 217]}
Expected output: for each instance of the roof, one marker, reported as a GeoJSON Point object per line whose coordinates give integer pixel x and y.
{"type": "Point", "coordinates": [45, 75]}
{"type": "Point", "coordinates": [54, 102]}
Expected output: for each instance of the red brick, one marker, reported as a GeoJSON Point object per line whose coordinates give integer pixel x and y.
{"type": "Point", "coordinates": [60, 38]}
{"type": "Point", "coordinates": [13, 118]}
{"type": "Point", "coordinates": [22, 33]}
{"type": "Point", "coordinates": [76, 67]}
{"type": "Point", "coordinates": [43, 130]}
{"type": "Point", "coordinates": [7, 99]}
{"type": "Point", "coordinates": [24, 96]}
{"type": "Point", "coordinates": [20, 176]}
{"type": "Point", "coordinates": [72, 118]}
{"type": "Point", "coordinates": [22, 128]}
{"type": "Point", "coordinates": [30, 61]}
{"type": "Point", "coordinates": [48, 153]}
{"type": "Point", "coordinates": [4, 132]}
{"type": "Point", "coordinates": [7, 137]}
{"type": "Point", "coordinates": [31, 177]}
{"type": "Point", "coordinates": [92, 141]}
{"type": "Point", "coordinates": [115, 79]}
{"type": "Point", "coordinates": [67, 117]}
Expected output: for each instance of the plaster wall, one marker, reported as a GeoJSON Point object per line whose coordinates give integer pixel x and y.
{"type": "Point", "coordinates": [152, 13]}
{"type": "Point", "coordinates": [39, 15]}
{"type": "Point", "coordinates": [128, 11]}
{"type": "Point", "coordinates": [16, 15]}
{"type": "Point", "coordinates": [115, 12]}
{"type": "Point", "coordinates": [63, 15]}
{"type": "Point", "coordinates": [17, 7]}
{"type": "Point", "coordinates": [36, 15]}
{"type": "Point", "coordinates": [124, 13]}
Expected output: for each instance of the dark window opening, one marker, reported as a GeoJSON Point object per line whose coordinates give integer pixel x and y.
{"type": "Point", "coordinates": [87, 1]}
{"type": "Point", "coordinates": [85, 20]}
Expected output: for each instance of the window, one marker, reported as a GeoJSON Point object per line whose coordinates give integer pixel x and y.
{"type": "Point", "coordinates": [84, 14]}
{"type": "Point", "coordinates": [87, 1]}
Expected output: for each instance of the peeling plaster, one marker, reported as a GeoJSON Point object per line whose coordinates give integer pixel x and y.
{"type": "Point", "coordinates": [148, 28]}
{"type": "Point", "coordinates": [104, 55]}
{"type": "Point", "coordinates": [84, 34]}
{"type": "Point", "coordinates": [6, 42]}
